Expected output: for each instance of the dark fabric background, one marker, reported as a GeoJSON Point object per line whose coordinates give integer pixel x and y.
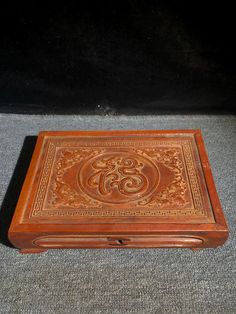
{"type": "Point", "coordinates": [111, 57]}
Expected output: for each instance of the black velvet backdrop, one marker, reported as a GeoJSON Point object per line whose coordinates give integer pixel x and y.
{"type": "Point", "coordinates": [111, 57]}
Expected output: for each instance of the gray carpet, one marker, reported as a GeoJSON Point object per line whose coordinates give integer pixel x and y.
{"type": "Point", "coordinates": [119, 281]}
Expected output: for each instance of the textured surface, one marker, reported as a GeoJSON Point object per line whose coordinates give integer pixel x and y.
{"type": "Point", "coordinates": [119, 281]}
{"type": "Point", "coordinates": [129, 57]}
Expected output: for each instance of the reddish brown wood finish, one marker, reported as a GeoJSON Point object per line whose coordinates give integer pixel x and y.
{"type": "Point", "coordinates": [118, 189]}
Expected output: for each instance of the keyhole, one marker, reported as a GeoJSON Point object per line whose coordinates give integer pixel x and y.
{"type": "Point", "coordinates": [120, 242]}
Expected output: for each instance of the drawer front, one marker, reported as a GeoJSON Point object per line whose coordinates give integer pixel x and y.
{"type": "Point", "coordinates": [74, 241]}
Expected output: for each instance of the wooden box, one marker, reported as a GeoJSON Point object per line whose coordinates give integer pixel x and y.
{"type": "Point", "coordinates": [118, 189]}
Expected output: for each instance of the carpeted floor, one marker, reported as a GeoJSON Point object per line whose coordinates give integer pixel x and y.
{"type": "Point", "coordinates": [117, 281]}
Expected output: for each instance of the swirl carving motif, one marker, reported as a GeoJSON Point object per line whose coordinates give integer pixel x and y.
{"type": "Point", "coordinates": [174, 193]}
{"type": "Point", "coordinates": [118, 177]}
{"type": "Point", "coordinates": [62, 193]}
{"type": "Point", "coordinates": [123, 173]}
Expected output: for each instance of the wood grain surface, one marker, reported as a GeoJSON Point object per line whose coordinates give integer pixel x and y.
{"type": "Point", "coordinates": [118, 189]}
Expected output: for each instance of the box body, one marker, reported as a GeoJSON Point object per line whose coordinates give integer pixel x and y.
{"type": "Point", "coordinates": [113, 189]}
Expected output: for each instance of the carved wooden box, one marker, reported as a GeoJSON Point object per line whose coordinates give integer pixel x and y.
{"type": "Point", "coordinates": [118, 189]}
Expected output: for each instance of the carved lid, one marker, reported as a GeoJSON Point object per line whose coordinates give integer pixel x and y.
{"type": "Point", "coordinates": [118, 177]}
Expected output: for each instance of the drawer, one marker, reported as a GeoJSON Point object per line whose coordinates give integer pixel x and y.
{"type": "Point", "coordinates": [74, 241]}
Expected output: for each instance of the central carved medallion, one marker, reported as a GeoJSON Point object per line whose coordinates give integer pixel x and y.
{"type": "Point", "coordinates": [118, 177]}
